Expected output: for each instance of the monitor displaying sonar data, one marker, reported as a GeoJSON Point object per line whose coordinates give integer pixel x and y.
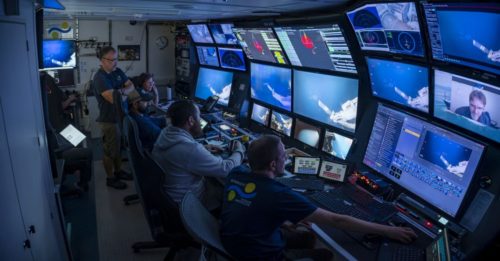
{"type": "Point", "coordinates": [322, 47]}
{"type": "Point", "coordinates": [281, 123]}
{"type": "Point", "coordinates": [260, 44]}
{"type": "Point", "coordinates": [199, 33]}
{"type": "Point", "coordinates": [272, 85]}
{"type": "Point", "coordinates": [260, 114]}
{"type": "Point", "coordinates": [468, 103]}
{"type": "Point", "coordinates": [465, 33]}
{"type": "Point", "coordinates": [232, 58]}
{"type": "Point", "coordinates": [214, 82]}
{"type": "Point", "coordinates": [207, 55]}
{"type": "Point", "coordinates": [329, 99]}
{"type": "Point", "coordinates": [402, 83]}
{"type": "Point", "coordinates": [307, 133]}
{"type": "Point", "coordinates": [59, 54]}
{"type": "Point", "coordinates": [435, 164]}
{"type": "Point", "coordinates": [389, 27]}
{"type": "Point", "coordinates": [223, 33]}
{"type": "Point", "coordinates": [336, 145]}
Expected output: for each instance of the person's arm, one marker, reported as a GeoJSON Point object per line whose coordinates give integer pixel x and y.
{"type": "Point", "coordinates": [321, 216]}
{"type": "Point", "coordinates": [128, 87]}
{"type": "Point", "coordinates": [68, 101]}
{"type": "Point", "coordinates": [202, 162]}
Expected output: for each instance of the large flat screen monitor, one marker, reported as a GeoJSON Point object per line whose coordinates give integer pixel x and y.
{"type": "Point", "coordinates": [207, 55]}
{"type": "Point", "coordinates": [435, 164]}
{"type": "Point", "coordinates": [337, 145]}
{"type": "Point", "coordinates": [307, 133]}
{"type": "Point", "coordinates": [214, 82]}
{"type": "Point", "coordinates": [403, 83]}
{"type": "Point", "coordinates": [59, 54]}
{"type": "Point", "coordinates": [468, 103]}
{"type": "Point", "coordinates": [272, 85]}
{"type": "Point", "coordinates": [223, 33]}
{"type": "Point", "coordinates": [465, 33]}
{"type": "Point", "coordinates": [389, 27]}
{"type": "Point", "coordinates": [281, 123]}
{"type": "Point", "coordinates": [232, 58]}
{"type": "Point", "coordinates": [322, 47]}
{"type": "Point", "coordinates": [260, 44]}
{"type": "Point", "coordinates": [329, 99]}
{"type": "Point", "coordinates": [260, 114]}
{"type": "Point", "coordinates": [199, 33]}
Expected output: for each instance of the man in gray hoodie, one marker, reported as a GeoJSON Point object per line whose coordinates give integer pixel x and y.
{"type": "Point", "coordinates": [187, 162]}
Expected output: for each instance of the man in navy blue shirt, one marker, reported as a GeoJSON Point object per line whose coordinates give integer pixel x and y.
{"type": "Point", "coordinates": [256, 206]}
{"type": "Point", "coordinates": [149, 127]}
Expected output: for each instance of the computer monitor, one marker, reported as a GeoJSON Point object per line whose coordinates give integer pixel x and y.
{"type": "Point", "coordinates": [207, 55]}
{"type": "Point", "coordinates": [402, 83]}
{"type": "Point", "coordinates": [260, 114]}
{"type": "Point", "coordinates": [260, 44]}
{"type": "Point", "coordinates": [468, 103]}
{"type": "Point", "coordinates": [388, 27]}
{"type": "Point", "coordinates": [199, 33]}
{"type": "Point", "coordinates": [306, 165]}
{"type": "Point", "coordinates": [329, 99]}
{"type": "Point", "coordinates": [465, 33]}
{"type": "Point", "coordinates": [281, 123]}
{"type": "Point", "coordinates": [214, 82]}
{"type": "Point", "coordinates": [232, 58]}
{"type": "Point", "coordinates": [59, 54]}
{"type": "Point", "coordinates": [223, 33]}
{"type": "Point", "coordinates": [434, 164]}
{"type": "Point", "coordinates": [336, 145]}
{"type": "Point", "coordinates": [63, 77]}
{"type": "Point", "coordinates": [335, 171]}
{"type": "Point", "coordinates": [307, 133]}
{"type": "Point", "coordinates": [271, 85]}
{"type": "Point", "coordinates": [322, 47]}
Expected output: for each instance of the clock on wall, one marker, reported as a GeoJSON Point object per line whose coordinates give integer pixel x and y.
{"type": "Point", "coordinates": [161, 42]}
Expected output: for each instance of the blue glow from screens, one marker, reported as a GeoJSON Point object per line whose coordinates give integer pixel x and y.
{"type": "Point", "coordinates": [199, 33]}
{"type": "Point", "coordinates": [260, 44]}
{"type": "Point", "coordinates": [223, 33]}
{"type": "Point", "coordinates": [59, 54]}
{"type": "Point", "coordinates": [433, 163]}
{"type": "Point", "coordinates": [329, 99]}
{"type": "Point", "coordinates": [402, 83]}
{"type": "Point", "coordinates": [391, 27]}
{"type": "Point", "coordinates": [452, 103]}
{"type": "Point", "coordinates": [232, 58]}
{"type": "Point", "coordinates": [271, 85]}
{"type": "Point", "coordinates": [307, 133]}
{"type": "Point", "coordinates": [214, 82]}
{"type": "Point", "coordinates": [458, 36]}
{"type": "Point", "coordinates": [281, 123]}
{"type": "Point", "coordinates": [207, 55]}
{"type": "Point", "coordinates": [336, 144]}
{"type": "Point", "coordinates": [260, 114]}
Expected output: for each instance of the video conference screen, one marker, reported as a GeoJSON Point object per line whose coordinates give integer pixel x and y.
{"type": "Point", "coordinates": [260, 44]}
{"type": "Point", "coordinates": [389, 27]}
{"type": "Point", "coordinates": [337, 145]}
{"type": "Point", "coordinates": [322, 47]}
{"type": "Point", "coordinates": [403, 83]}
{"type": "Point", "coordinates": [271, 85]}
{"type": "Point", "coordinates": [329, 99]}
{"type": "Point", "coordinates": [465, 33]}
{"type": "Point", "coordinates": [207, 55]}
{"type": "Point", "coordinates": [223, 33]}
{"type": "Point", "coordinates": [232, 58]}
{"type": "Point", "coordinates": [467, 103]}
{"type": "Point", "coordinates": [307, 133]}
{"type": "Point", "coordinates": [59, 54]}
{"type": "Point", "coordinates": [435, 164]}
{"type": "Point", "coordinates": [214, 82]}
{"type": "Point", "coordinates": [199, 33]}
{"type": "Point", "coordinates": [260, 114]}
{"type": "Point", "coordinates": [281, 123]}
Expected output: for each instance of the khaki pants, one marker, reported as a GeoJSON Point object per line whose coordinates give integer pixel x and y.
{"type": "Point", "coordinates": [111, 144]}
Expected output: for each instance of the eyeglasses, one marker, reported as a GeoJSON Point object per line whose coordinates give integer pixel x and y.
{"type": "Point", "coordinates": [111, 60]}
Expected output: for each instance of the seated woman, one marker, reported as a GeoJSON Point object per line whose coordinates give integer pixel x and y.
{"type": "Point", "coordinates": [146, 86]}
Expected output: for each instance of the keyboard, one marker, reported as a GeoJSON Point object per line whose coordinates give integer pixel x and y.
{"type": "Point", "coordinates": [391, 251]}
{"type": "Point", "coordinates": [330, 201]}
{"type": "Point", "coordinates": [307, 184]}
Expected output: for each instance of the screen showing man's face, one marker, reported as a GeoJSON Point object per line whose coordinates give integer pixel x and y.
{"type": "Point", "coordinates": [476, 108]}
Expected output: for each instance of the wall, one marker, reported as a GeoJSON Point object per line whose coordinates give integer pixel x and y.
{"type": "Point", "coordinates": [161, 61]}
{"type": "Point", "coordinates": [122, 33]}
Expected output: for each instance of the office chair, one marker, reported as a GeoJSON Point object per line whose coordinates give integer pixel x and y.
{"type": "Point", "coordinates": [135, 152]}
{"type": "Point", "coordinates": [202, 226]}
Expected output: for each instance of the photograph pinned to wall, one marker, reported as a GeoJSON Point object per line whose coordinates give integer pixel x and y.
{"type": "Point", "coordinates": [129, 52]}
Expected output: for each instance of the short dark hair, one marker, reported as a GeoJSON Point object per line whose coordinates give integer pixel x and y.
{"type": "Point", "coordinates": [180, 111]}
{"type": "Point", "coordinates": [105, 50]}
{"type": "Point", "coordinates": [144, 77]}
{"type": "Point", "coordinates": [477, 94]}
{"type": "Point", "coordinates": [263, 151]}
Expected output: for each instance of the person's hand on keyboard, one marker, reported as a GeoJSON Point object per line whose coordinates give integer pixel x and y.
{"type": "Point", "coordinates": [403, 234]}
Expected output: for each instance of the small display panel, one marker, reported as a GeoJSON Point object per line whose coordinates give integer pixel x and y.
{"type": "Point", "coordinates": [281, 123]}
{"type": "Point", "coordinates": [232, 58]}
{"type": "Point", "coordinates": [307, 133]}
{"type": "Point", "coordinates": [223, 33]}
{"type": "Point", "coordinates": [336, 144]}
{"type": "Point", "coordinates": [333, 171]}
{"type": "Point", "coordinates": [58, 54]}
{"type": "Point", "coordinates": [306, 165]}
{"type": "Point", "coordinates": [199, 33]}
{"type": "Point", "coordinates": [214, 82]}
{"type": "Point", "coordinates": [271, 85]}
{"type": "Point", "coordinates": [260, 44]}
{"type": "Point", "coordinates": [207, 55]}
{"type": "Point", "coordinates": [260, 114]}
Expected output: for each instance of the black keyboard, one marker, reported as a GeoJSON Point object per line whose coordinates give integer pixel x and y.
{"type": "Point", "coordinates": [332, 202]}
{"type": "Point", "coordinates": [382, 211]}
{"type": "Point", "coordinates": [391, 251]}
{"type": "Point", "coordinates": [308, 184]}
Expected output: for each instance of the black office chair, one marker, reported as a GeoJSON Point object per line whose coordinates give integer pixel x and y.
{"type": "Point", "coordinates": [135, 151]}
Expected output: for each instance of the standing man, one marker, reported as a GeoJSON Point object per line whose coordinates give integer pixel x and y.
{"type": "Point", "coordinates": [107, 79]}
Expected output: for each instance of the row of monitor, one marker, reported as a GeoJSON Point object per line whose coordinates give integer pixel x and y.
{"type": "Point", "coordinates": [229, 58]}
{"type": "Point", "coordinates": [386, 27]}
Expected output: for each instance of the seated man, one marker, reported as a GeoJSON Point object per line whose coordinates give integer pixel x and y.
{"type": "Point", "coordinates": [476, 109]}
{"type": "Point", "coordinates": [188, 162]}
{"type": "Point", "coordinates": [255, 206]}
{"type": "Point", "coordinates": [149, 127]}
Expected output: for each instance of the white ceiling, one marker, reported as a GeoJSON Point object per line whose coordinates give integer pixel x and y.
{"type": "Point", "coordinates": [182, 10]}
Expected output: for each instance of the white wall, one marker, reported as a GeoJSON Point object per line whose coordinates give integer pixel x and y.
{"type": "Point", "coordinates": [161, 62]}
{"type": "Point", "coordinates": [122, 33]}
